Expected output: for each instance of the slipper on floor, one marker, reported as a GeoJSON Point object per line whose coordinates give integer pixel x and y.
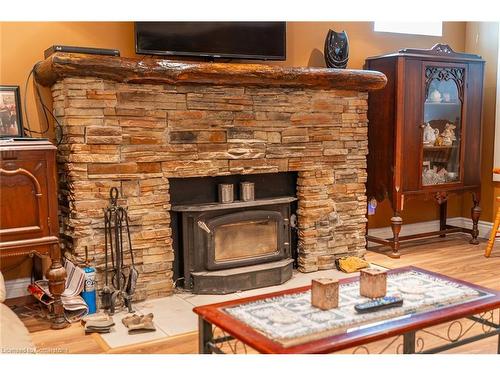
{"type": "Point", "coordinates": [141, 328]}
{"type": "Point", "coordinates": [100, 316]}
{"type": "Point", "coordinates": [100, 323]}
{"type": "Point", "coordinates": [144, 325]}
{"type": "Point", "coordinates": [97, 330]}
{"type": "Point", "coordinates": [351, 264]}
{"type": "Point", "coordinates": [131, 319]}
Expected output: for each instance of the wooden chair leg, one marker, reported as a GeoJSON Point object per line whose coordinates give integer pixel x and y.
{"type": "Point", "coordinates": [494, 230]}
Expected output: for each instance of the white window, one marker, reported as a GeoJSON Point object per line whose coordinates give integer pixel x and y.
{"type": "Point", "coordinates": [418, 28]}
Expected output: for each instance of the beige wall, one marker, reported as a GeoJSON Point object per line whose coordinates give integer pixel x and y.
{"type": "Point", "coordinates": [22, 45]}
{"type": "Point", "coordinates": [306, 41]}
{"type": "Point", "coordinates": [482, 38]}
{"type": "Point", "coordinates": [1, 55]}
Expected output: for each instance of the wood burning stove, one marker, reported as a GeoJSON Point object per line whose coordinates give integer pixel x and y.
{"type": "Point", "coordinates": [227, 247]}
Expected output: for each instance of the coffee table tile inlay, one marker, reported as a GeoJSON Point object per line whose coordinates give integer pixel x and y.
{"type": "Point", "coordinates": [291, 320]}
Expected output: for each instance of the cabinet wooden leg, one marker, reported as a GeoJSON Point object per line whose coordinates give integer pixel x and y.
{"type": "Point", "coordinates": [475, 212]}
{"type": "Point", "coordinates": [443, 208]}
{"type": "Point", "coordinates": [56, 276]}
{"type": "Point", "coordinates": [396, 222]}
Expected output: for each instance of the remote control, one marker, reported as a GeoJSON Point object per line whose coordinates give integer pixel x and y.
{"type": "Point", "coordinates": [379, 304]}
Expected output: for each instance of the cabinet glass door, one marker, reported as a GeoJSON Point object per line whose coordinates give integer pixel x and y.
{"type": "Point", "coordinates": [442, 128]}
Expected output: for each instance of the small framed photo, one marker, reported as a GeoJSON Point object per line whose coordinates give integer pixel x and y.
{"type": "Point", "coordinates": [11, 120]}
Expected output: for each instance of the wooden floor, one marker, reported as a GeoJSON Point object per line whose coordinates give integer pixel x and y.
{"type": "Point", "coordinates": [452, 256]}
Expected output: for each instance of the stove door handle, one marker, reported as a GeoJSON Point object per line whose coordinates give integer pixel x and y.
{"type": "Point", "coordinates": [204, 226]}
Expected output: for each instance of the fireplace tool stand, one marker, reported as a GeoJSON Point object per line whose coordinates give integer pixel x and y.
{"type": "Point", "coordinates": [121, 286]}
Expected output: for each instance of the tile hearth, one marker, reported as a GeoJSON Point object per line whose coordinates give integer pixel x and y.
{"type": "Point", "coordinates": [173, 315]}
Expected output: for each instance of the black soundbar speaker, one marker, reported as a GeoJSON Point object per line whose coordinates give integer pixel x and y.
{"type": "Point", "coordinates": [88, 50]}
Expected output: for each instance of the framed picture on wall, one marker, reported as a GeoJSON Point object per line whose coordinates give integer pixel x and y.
{"type": "Point", "coordinates": [11, 120]}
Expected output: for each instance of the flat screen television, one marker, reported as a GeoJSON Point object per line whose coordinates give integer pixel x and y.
{"type": "Point", "coordinates": [235, 40]}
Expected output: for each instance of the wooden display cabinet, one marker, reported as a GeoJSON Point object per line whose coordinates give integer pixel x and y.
{"type": "Point", "coordinates": [424, 133]}
{"type": "Point", "coordinates": [28, 207]}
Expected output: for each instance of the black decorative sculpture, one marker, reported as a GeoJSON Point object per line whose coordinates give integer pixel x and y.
{"type": "Point", "coordinates": [336, 49]}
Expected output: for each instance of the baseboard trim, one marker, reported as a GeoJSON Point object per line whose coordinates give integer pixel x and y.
{"type": "Point", "coordinates": [484, 227]}
{"type": "Point", "coordinates": [429, 226]}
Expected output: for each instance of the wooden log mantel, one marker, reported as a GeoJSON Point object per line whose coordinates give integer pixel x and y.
{"type": "Point", "coordinates": [159, 71]}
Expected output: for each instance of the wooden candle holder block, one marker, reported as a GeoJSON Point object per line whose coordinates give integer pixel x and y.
{"type": "Point", "coordinates": [373, 283]}
{"type": "Point", "coordinates": [325, 293]}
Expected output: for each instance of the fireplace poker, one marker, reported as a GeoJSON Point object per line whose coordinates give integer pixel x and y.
{"type": "Point", "coordinates": [121, 286]}
{"type": "Point", "coordinates": [106, 292]}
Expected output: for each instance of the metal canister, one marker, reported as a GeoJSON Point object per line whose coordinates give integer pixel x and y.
{"type": "Point", "coordinates": [247, 191]}
{"type": "Point", "coordinates": [226, 193]}
{"type": "Point", "coordinates": [89, 289]}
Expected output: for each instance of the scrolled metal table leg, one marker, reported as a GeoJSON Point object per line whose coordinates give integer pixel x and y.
{"type": "Point", "coordinates": [409, 343]}
{"type": "Point", "coordinates": [204, 336]}
{"type": "Point", "coordinates": [498, 346]}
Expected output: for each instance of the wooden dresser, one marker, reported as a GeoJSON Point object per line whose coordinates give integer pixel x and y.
{"type": "Point", "coordinates": [28, 208]}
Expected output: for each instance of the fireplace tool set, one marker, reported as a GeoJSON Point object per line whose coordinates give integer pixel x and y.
{"type": "Point", "coordinates": [118, 285]}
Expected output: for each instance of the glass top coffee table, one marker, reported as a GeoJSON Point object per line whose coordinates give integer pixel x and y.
{"type": "Point", "coordinates": [286, 322]}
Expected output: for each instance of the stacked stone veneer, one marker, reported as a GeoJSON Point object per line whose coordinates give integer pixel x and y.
{"type": "Point", "coordinates": [137, 136]}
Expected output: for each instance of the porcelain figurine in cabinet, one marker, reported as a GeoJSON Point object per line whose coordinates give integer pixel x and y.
{"type": "Point", "coordinates": [430, 134]}
{"type": "Point", "coordinates": [449, 135]}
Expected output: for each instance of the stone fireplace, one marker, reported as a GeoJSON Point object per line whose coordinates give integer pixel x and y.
{"type": "Point", "coordinates": [136, 124]}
